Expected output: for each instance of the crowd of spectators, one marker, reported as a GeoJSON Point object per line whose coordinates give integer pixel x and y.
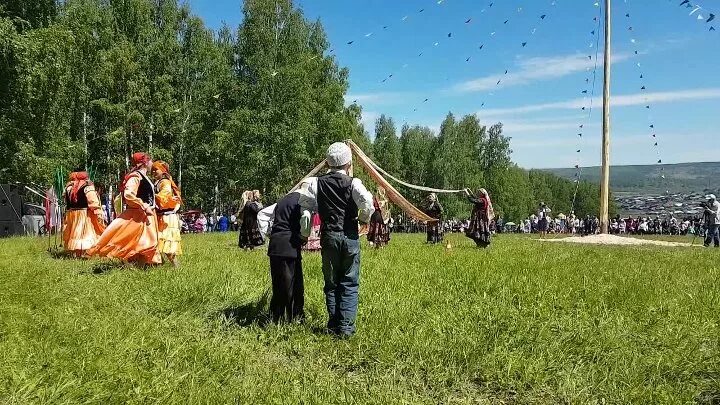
{"type": "Point", "coordinates": [572, 225]}
{"type": "Point", "coordinates": [198, 222]}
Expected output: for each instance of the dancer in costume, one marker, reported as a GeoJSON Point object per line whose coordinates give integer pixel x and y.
{"type": "Point", "coordinates": [379, 232]}
{"type": "Point", "coordinates": [168, 200]}
{"type": "Point", "coordinates": [133, 235]}
{"type": "Point", "coordinates": [482, 215]}
{"type": "Point", "coordinates": [250, 236]}
{"type": "Point", "coordinates": [313, 243]}
{"type": "Point", "coordinates": [434, 210]}
{"type": "Point", "coordinates": [83, 223]}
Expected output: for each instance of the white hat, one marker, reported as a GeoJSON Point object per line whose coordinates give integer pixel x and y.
{"type": "Point", "coordinates": [338, 155]}
{"type": "Point", "coordinates": [710, 197]}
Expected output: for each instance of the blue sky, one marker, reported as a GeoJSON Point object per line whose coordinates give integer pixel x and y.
{"type": "Point", "coordinates": [540, 98]}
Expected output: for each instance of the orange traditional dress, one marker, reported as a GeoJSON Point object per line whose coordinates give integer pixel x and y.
{"type": "Point", "coordinates": [167, 202]}
{"type": "Point", "coordinates": [83, 223]}
{"type": "Point", "coordinates": [132, 236]}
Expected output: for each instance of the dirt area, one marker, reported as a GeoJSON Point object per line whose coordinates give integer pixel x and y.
{"type": "Point", "coordinates": [615, 240]}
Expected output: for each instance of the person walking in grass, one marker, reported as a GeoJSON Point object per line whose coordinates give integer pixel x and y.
{"type": "Point", "coordinates": [434, 210]}
{"type": "Point", "coordinates": [341, 201]}
{"type": "Point", "coordinates": [712, 221]}
{"type": "Point", "coordinates": [481, 216]}
{"type": "Point", "coordinates": [379, 232]}
{"type": "Point", "coordinates": [249, 236]}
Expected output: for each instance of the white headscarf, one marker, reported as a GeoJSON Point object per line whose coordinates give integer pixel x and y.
{"type": "Point", "coordinates": [490, 210]}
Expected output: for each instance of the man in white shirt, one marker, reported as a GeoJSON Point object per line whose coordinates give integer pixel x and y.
{"type": "Point", "coordinates": [341, 201]}
{"type": "Point", "coordinates": [543, 219]}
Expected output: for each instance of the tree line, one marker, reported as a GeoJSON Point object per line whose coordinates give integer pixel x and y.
{"type": "Point", "coordinates": [84, 83]}
{"type": "Point", "coordinates": [466, 153]}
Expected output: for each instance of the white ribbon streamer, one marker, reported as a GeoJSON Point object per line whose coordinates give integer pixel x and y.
{"type": "Point", "coordinates": [412, 186]}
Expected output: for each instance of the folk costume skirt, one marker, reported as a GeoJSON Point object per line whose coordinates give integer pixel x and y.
{"type": "Point", "coordinates": [169, 234]}
{"type": "Point", "coordinates": [80, 230]}
{"type": "Point", "coordinates": [131, 237]}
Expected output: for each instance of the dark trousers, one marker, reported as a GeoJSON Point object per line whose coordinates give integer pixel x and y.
{"type": "Point", "coordinates": [341, 270]}
{"type": "Point", "coordinates": [288, 290]}
{"type": "Point", "coordinates": [712, 236]}
{"type": "Point", "coordinates": [434, 233]}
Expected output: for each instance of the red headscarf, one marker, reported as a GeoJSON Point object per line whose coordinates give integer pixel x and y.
{"type": "Point", "coordinates": [138, 159]}
{"type": "Point", "coordinates": [77, 179]}
{"type": "Point", "coordinates": [164, 169]}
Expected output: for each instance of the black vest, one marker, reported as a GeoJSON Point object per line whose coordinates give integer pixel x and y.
{"type": "Point", "coordinates": [81, 202]}
{"type": "Point", "coordinates": [146, 190]}
{"type": "Point", "coordinates": [285, 236]}
{"type": "Point", "coordinates": [337, 209]}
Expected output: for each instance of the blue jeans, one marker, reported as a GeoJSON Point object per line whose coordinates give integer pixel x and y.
{"type": "Point", "coordinates": [341, 269]}
{"type": "Point", "coordinates": [712, 235]}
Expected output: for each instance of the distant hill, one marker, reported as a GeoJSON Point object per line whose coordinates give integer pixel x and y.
{"type": "Point", "coordinates": [646, 179]}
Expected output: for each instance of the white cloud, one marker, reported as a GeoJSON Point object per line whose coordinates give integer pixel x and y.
{"type": "Point", "coordinates": [377, 98]}
{"type": "Point", "coordinates": [535, 69]}
{"type": "Point", "coordinates": [511, 127]}
{"type": "Point", "coordinates": [617, 101]}
{"type": "Point", "coordinates": [368, 120]}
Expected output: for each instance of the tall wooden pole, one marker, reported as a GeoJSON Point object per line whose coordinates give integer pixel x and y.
{"type": "Point", "coordinates": [605, 179]}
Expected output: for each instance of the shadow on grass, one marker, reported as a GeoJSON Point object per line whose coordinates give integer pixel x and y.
{"type": "Point", "coordinates": [59, 253]}
{"type": "Point", "coordinates": [105, 267]}
{"type": "Point", "coordinates": [709, 397]}
{"type": "Point", "coordinates": [250, 313]}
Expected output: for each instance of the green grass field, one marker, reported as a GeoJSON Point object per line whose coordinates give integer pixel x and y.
{"type": "Point", "coordinates": [524, 322]}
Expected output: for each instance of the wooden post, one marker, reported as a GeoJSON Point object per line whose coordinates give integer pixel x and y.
{"type": "Point", "coordinates": [605, 178]}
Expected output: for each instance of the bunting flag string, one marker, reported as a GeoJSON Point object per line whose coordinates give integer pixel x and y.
{"type": "Point", "coordinates": [404, 19]}
{"type": "Point", "coordinates": [492, 35]}
{"type": "Point", "coordinates": [368, 34]}
{"type": "Point", "coordinates": [523, 44]}
{"type": "Point", "coordinates": [700, 13]}
{"type": "Point", "coordinates": [467, 59]}
{"type": "Point", "coordinates": [424, 52]}
{"type": "Point", "coordinates": [642, 84]}
{"type": "Point", "coordinates": [588, 102]}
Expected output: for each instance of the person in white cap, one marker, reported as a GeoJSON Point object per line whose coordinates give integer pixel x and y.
{"type": "Point", "coordinates": [341, 201]}
{"type": "Point", "coordinates": [712, 221]}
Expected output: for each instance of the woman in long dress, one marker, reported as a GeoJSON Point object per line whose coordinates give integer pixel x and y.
{"type": "Point", "coordinates": [83, 222]}
{"type": "Point", "coordinates": [482, 215]}
{"type": "Point", "coordinates": [250, 236]}
{"type": "Point", "coordinates": [379, 232]}
{"type": "Point", "coordinates": [133, 235]}
{"type": "Point", "coordinates": [168, 200]}
{"type": "Point", "coordinates": [313, 243]}
{"type": "Point", "coordinates": [434, 210]}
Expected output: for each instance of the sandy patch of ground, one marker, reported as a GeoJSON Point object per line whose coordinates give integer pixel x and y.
{"type": "Point", "coordinates": [615, 240]}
